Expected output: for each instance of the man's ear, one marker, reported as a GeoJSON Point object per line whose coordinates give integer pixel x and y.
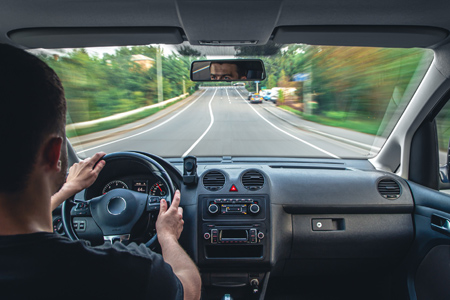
{"type": "Point", "coordinates": [52, 153]}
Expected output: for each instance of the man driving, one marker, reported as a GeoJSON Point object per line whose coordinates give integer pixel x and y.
{"type": "Point", "coordinates": [35, 262]}
{"type": "Point", "coordinates": [227, 71]}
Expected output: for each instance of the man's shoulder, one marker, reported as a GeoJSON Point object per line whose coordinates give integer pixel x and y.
{"type": "Point", "coordinates": [45, 243]}
{"type": "Point", "coordinates": [131, 250]}
{"type": "Point", "coordinates": [62, 261]}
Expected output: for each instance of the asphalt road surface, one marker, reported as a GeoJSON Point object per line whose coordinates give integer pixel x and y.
{"type": "Point", "coordinates": [221, 122]}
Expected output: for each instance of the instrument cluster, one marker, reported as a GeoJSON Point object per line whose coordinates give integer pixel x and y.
{"type": "Point", "coordinates": [155, 186]}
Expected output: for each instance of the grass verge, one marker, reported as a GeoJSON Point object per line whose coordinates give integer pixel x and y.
{"type": "Point", "coordinates": [364, 126]}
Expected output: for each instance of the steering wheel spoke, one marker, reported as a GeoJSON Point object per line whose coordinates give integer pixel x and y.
{"type": "Point", "coordinates": [81, 209]}
{"type": "Point", "coordinates": [120, 237]}
{"type": "Point", "coordinates": [153, 203]}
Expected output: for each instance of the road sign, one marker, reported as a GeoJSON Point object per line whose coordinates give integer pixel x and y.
{"type": "Point", "coordinates": [301, 77]}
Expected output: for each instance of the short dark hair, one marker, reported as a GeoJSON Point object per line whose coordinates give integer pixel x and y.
{"type": "Point", "coordinates": [241, 69]}
{"type": "Point", "coordinates": [32, 106]}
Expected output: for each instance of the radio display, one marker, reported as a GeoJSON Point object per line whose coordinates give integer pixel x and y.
{"type": "Point", "coordinates": [234, 234]}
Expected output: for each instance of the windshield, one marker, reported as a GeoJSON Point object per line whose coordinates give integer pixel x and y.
{"type": "Point", "coordinates": [316, 101]}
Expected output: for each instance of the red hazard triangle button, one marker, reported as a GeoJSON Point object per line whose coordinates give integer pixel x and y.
{"type": "Point", "coordinates": [233, 188]}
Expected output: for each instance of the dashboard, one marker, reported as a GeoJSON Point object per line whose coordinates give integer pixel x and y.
{"type": "Point", "coordinates": [247, 221]}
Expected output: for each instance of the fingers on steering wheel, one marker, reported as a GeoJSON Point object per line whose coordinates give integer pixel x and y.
{"type": "Point", "coordinates": [99, 166]}
{"type": "Point", "coordinates": [162, 206]}
{"type": "Point", "coordinates": [176, 200]}
{"type": "Point", "coordinates": [96, 157]}
{"type": "Point", "coordinates": [96, 161]}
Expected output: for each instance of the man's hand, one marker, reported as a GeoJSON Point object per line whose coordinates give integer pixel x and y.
{"type": "Point", "coordinates": [81, 175]}
{"type": "Point", "coordinates": [170, 221]}
{"type": "Point", "coordinates": [169, 227]}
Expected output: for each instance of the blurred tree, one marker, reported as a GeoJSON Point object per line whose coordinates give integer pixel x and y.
{"type": "Point", "coordinates": [188, 51]}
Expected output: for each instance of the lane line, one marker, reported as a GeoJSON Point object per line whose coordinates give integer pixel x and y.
{"type": "Point", "coordinates": [207, 129]}
{"type": "Point", "coordinates": [334, 137]}
{"type": "Point", "coordinates": [145, 131]}
{"type": "Point", "coordinates": [287, 133]}
{"type": "Point", "coordinates": [229, 100]}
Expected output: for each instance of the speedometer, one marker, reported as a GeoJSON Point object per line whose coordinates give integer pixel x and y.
{"type": "Point", "coordinates": [158, 189]}
{"type": "Point", "coordinates": [116, 184]}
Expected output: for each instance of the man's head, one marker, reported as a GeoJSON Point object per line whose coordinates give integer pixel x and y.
{"type": "Point", "coordinates": [32, 117]}
{"type": "Point", "coordinates": [227, 71]}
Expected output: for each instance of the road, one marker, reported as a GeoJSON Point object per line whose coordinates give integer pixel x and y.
{"type": "Point", "coordinates": [220, 122]}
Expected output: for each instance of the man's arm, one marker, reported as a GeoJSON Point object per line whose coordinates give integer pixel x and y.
{"type": "Point", "coordinates": [169, 227]}
{"type": "Point", "coordinates": [81, 176]}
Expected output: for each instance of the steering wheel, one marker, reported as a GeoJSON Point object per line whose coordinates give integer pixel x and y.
{"type": "Point", "coordinates": [117, 212]}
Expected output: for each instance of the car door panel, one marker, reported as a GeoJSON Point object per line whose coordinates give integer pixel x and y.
{"type": "Point", "coordinates": [429, 259]}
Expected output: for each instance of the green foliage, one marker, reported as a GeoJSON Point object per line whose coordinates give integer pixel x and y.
{"type": "Point", "coordinates": [280, 97]}
{"type": "Point", "coordinates": [97, 87]}
{"type": "Point", "coordinates": [271, 82]}
{"type": "Point", "coordinates": [351, 84]}
{"type": "Point", "coordinates": [337, 115]}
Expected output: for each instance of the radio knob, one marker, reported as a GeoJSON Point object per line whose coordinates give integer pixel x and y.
{"type": "Point", "coordinates": [207, 236]}
{"type": "Point", "coordinates": [213, 208]}
{"type": "Point", "coordinates": [260, 235]}
{"type": "Point", "coordinates": [254, 208]}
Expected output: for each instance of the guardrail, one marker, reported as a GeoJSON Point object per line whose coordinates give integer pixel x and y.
{"type": "Point", "coordinates": [87, 124]}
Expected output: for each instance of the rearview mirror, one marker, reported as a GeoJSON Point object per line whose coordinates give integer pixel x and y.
{"type": "Point", "coordinates": [228, 70]}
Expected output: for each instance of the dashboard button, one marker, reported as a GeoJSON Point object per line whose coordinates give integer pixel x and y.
{"type": "Point", "coordinates": [215, 235]}
{"type": "Point", "coordinates": [213, 208]}
{"type": "Point", "coordinates": [252, 235]}
{"type": "Point", "coordinates": [254, 208]}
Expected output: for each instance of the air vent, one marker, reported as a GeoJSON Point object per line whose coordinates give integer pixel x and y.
{"type": "Point", "coordinates": [389, 189]}
{"type": "Point", "coordinates": [252, 180]}
{"type": "Point", "coordinates": [213, 180]}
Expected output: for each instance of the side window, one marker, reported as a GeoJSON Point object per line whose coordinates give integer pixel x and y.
{"type": "Point", "coordinates": [443, 132]}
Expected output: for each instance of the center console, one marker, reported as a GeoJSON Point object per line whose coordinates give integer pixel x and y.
{"type": "Point", "coordinates": [234, 237]}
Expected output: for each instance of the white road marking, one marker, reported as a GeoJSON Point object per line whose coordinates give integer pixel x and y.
{"type": "Point", "coordinates": [207, 129]}
{"type": "Point", "coordinates": [229, 100]}
{"type": "Point", "coordinates": [287, 133]}
{"type": "Point", "coordinates": [145, 131]}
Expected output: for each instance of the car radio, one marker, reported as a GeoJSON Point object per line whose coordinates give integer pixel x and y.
{"type": "Point", "coordinates": [225, 234]}
{"type": "Point", "coordinates": [233, 226]}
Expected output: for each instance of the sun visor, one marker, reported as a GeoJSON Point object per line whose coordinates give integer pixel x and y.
{"type": "Point", "coordinates": [94, 36]}
{"type": "Point", "coordinates": [363, 36]}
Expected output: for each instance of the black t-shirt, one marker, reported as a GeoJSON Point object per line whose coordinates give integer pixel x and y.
{"type": "Point", "coordinates": [46, 266]}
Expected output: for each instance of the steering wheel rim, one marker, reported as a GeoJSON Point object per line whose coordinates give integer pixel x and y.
{"type": "Point", "coordinates": [148, 162]}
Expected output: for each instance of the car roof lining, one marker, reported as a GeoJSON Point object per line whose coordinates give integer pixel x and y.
{"type": "Point", "coordinates": [247, 20]}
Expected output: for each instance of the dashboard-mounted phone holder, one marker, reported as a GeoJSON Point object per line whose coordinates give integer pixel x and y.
{"type": "Point", "coordinates": [190, 176]}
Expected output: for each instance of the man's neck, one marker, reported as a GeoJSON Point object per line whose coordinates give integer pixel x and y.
{"type": "Point", "coordinates": [25, 212]}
